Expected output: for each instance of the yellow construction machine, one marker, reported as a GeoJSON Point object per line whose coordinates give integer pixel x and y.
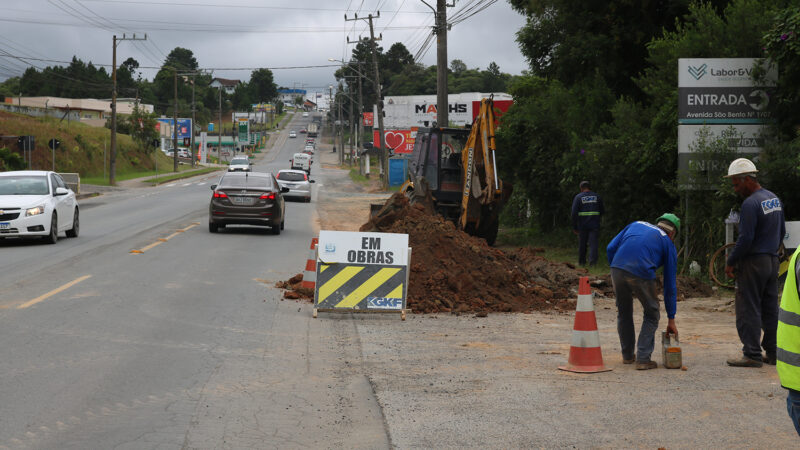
{"type": "Point", "coordinates": [454, 171]}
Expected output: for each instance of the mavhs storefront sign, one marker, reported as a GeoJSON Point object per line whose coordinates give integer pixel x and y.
{"type": "Point", "coordinates": [361, 272]}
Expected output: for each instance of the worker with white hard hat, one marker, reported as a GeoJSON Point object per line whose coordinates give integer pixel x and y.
{"type": "Point", "coordinates": [754, 264]}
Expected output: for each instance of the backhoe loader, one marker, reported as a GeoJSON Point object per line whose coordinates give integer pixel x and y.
{"type": "Point", "coordinates": [454, 171]}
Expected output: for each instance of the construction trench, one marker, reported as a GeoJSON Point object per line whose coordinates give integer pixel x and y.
{"type": "Point", "coordinates": [453, 272]}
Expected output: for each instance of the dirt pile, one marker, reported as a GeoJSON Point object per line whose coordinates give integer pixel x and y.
{"type": "Point", "coordinates": [452, 271]}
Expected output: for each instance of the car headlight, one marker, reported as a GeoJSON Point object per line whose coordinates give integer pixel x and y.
{"type": "Point", "coordinates": [34, 211]}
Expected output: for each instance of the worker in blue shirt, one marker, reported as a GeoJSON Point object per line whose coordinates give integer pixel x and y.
{"type": "Point", "coordinates": [634, 256]}
{"type": "Point", "coordinates": [587, 207]}
{"type": "Point", "coordinates": [754, 264]}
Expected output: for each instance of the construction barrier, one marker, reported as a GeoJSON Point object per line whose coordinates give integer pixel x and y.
{"type": "Point", "coordinates": [310, 274]}
{"type": "Point", "coordinates": [361, 272]}
{"type": "Point", "coordinates": [585, 355]}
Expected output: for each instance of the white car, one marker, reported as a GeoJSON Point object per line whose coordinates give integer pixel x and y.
{"type": "Point", "coordinates": [239, 164]}
{"type": "Point", "coordinates": [309, 148]}
{"type": "Point", "coordinates": [297, 182]}
{"type": "Point", "coordinates": [292, 134]}
{"type": "Point", "coordinates": [37, 203]}
{"type": "Point", "coordinates": [305, 114]}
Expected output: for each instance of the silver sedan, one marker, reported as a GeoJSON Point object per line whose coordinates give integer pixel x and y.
{"type": "Point", "coordinates": [298, 183]}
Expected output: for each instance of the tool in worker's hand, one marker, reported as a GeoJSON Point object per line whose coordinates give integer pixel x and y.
{"type": "Point", "coordinates": [671, 350]}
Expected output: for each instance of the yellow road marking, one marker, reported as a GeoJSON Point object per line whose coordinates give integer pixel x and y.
{"type": "Point", "coordinates": [53, 292]}
{"type": "Point", "coordinates": [367, 287]}
{"type": "Point", "coordinates": [164, 239]}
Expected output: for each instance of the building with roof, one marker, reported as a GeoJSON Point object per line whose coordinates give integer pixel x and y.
{"type": "Point", "coordinates": [91, 111]}
{"type": "Point", "coordinates": [227, 85]}
{"type": "Point", "coordinates": [287, 96]}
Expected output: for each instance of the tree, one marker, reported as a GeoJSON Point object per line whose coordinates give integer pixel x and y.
{"type": "Point", "coordinates": [457, 67]}
{"type": "Point", "coordinates": [262, 86]}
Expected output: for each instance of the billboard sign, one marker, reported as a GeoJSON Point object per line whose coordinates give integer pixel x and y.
{"type": "Point", "coordinates": [398, 141]}
{"type": "Point", "coordinates": [368, 119]}
{"type": "Point", "coordinates": [724, 90]}
{"type": "Point", "coordinates": [184, 128]}
{"type": "Point", "coordinates": [243, 126]}
{"type": "Point", "coordinates": [404, 112]}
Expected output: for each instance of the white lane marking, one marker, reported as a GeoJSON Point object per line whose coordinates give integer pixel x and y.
{"type": "Point", "coordinates": [170, 185]}
{"type": "Point", "coordinates": [53, 292]}
{"type": "Point", "coordinates": [187, 184]}
{"type": "Point", "coordinates": [201, 184]}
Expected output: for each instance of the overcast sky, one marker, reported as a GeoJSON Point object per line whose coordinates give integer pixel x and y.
{"type": "Point", "coordinates": [247, 34]}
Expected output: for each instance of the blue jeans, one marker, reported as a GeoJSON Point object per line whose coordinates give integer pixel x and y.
{"type": "Point", "coordinates": [587, 237]}
{"type": "Point", "coordinates": [793, 406]}
{"type": "Point", "coordinates": [626, 285]}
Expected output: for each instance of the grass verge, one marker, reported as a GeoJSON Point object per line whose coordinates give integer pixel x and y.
{"type": "Point", "coordinates": [181, 175]}
{"type": "Point", "coordinates": [558, 246]}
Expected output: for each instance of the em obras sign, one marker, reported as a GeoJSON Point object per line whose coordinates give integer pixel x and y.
{"type": "Point", "coordinates": [361, 271]}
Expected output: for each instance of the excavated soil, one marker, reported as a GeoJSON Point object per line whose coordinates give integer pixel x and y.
{"type": "Point", "coordinates": [452, 271]}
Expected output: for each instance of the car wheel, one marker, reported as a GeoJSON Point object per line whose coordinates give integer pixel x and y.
{"type": "Point", "coordinates": [52, 238]}
{"type": "Point", "coordinates": [276, 229]}
{"type": "Point", "coordinates": [76, 226]}
{"type": "Point", "coordinates": [282, 224]}
{"type": "Point", "coordinates": [212, 227]}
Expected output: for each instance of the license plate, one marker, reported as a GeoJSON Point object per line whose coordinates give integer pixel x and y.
{"type": "Point", "coordinates": [245, 201]}
{"type": "Point", "coordinates": [5, 225]}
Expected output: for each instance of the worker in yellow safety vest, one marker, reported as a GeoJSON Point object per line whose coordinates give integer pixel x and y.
{"type": "Point", "coordinates": [788, 354]}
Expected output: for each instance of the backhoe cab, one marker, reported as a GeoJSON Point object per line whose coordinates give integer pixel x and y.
{"type": "Point", "coordinates": [454, 170]}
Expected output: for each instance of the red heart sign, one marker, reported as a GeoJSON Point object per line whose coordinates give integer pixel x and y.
{"type": "Point", "coordinates": [394, 140]}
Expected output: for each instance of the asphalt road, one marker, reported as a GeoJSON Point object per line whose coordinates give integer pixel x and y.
{"type": "Point", "coordinates": [185, 345]}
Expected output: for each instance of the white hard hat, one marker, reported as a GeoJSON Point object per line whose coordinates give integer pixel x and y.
{"type": "Point", "coordinates": [741, 166]}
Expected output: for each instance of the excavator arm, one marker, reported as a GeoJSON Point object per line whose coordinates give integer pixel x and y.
{"type": "Point", "coordinates": [482, 189]}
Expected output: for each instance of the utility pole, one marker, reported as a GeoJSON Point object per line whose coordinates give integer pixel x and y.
{"type": "Point", "coordinates": [350, 118]}
{"type": "Point", "coordinates": [440, 29]}
{"type": "Point", "coordinates": [219, 131]}
{"type": "Point", "coordinates": [175, 125]}
{"type": "Point", "coordinates": [379, 99]}
{"type": "Point", "coordinates": [191, 148]}
{"type": "Point", "coordinates": [113, 159]}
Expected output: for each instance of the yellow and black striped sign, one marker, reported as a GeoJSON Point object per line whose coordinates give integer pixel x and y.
{"type": "Point", "coordinates": [360, 286]}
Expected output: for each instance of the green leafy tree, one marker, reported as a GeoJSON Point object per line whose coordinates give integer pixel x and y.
{"type": "Point", "coordinates": [262, 86]}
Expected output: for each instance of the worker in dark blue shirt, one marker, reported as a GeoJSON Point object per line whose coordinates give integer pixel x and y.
{"type": "Point", "coordinates": [754, 264]}
{"type": "Point", "coordinates": [634, 256]}
{"type": "Point", "coordinates": [587, 207]}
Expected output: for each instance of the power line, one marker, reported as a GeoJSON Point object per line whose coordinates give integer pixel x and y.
{"type": "Point", "coordinates": [229, 6]}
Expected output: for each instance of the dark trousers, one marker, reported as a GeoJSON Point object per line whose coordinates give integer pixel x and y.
{"type": "Point", "coordinates": [626, 285]}
{"type": "Point", "coordinates": [587, 237]}
{"type": "Point", "coordinates": [757, 304]}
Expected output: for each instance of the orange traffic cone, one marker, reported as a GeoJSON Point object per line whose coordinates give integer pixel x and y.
{"type": "Point", "coordinates": [310, 274]}
{"type": "Point", "coordinates": [585, 355]}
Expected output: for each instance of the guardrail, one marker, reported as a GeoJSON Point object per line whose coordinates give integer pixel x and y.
{"type": "Point", "coordinates": [73, 181]}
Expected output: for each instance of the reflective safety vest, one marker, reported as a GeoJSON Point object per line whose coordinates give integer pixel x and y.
{"type": "Point", "coordinates": [789, 330]}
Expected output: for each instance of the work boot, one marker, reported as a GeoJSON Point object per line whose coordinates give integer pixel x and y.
{"type": "Point", "coordinates": [769, 358]}
{"type": "Point", "coordinates": [628, 361]}
{"type": "Point", "coordinates": [744, 361]}
{"type": "Point", "coordinates": [646, 365]}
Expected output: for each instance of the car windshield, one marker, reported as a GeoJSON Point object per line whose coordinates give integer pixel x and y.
{"type": "Point", "coordinates": [24, 185]}
{"type": "Point", "coordinates": [246, 182]}
{"type": "Point", "coordinates": [291, 176]}
{"type": "Point", "coordinates": [239, 161]}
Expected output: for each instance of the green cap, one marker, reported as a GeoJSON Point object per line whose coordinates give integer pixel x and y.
{"type": "Point", "coordinates": [671, 218]}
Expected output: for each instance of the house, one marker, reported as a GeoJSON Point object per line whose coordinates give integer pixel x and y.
{"type": "Point", "coordinates": [227, 85]}
{"type": "Point", "coordinates": [91, 111]}
{"type": "Point", "coordinates": [287, 96]}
